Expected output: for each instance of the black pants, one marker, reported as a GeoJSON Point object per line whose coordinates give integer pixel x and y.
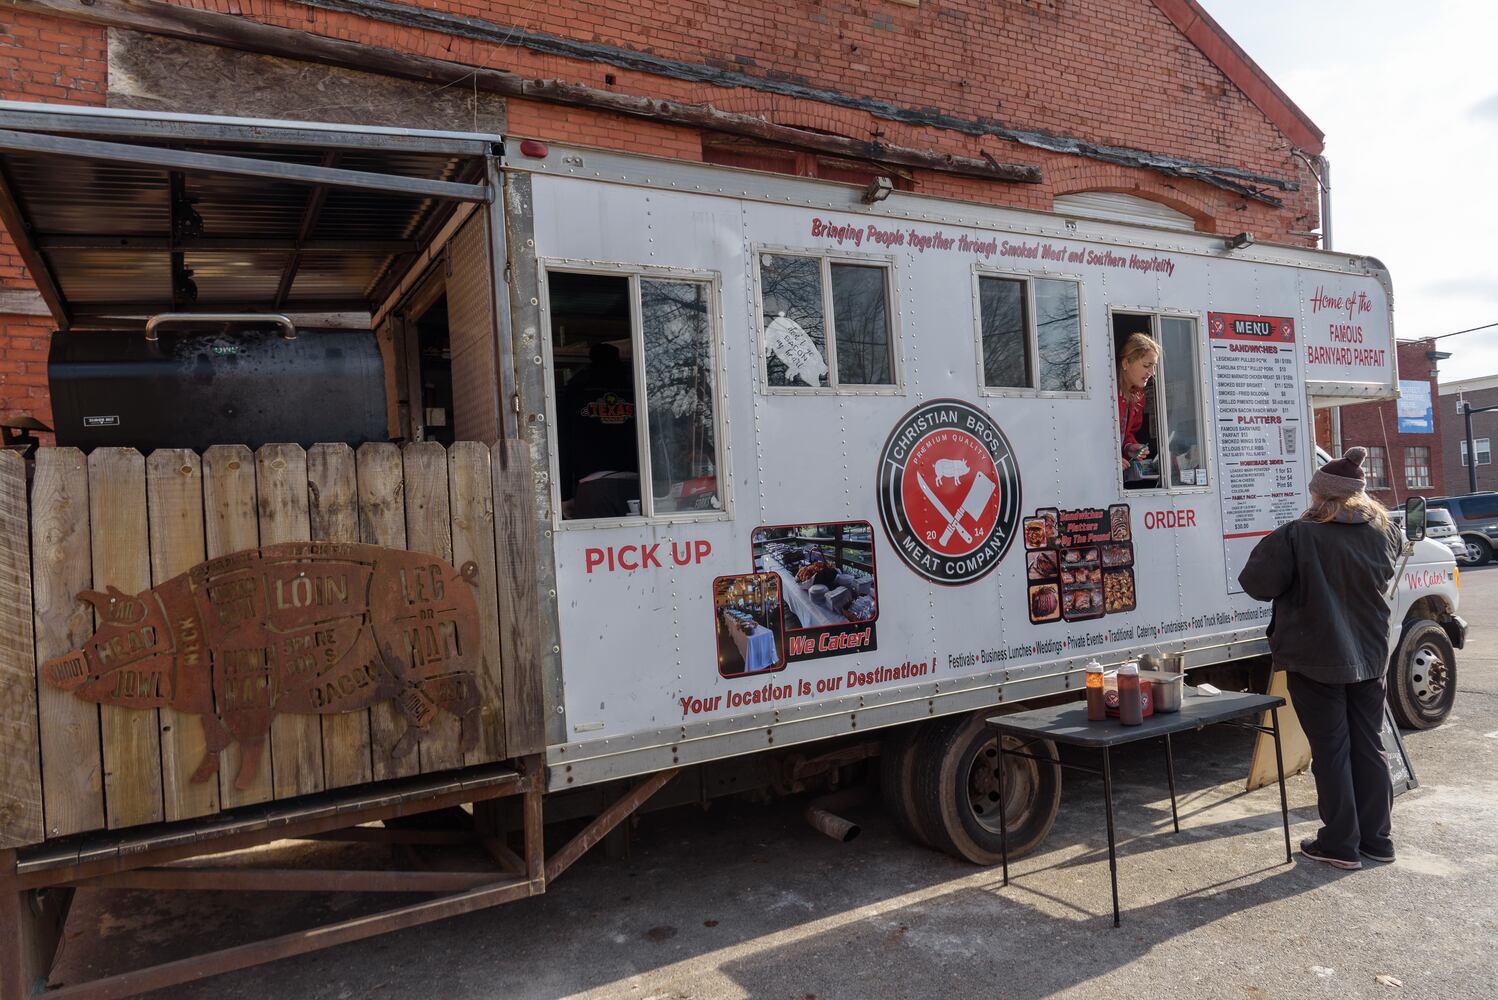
{"type": "Point", "coordinates": [1353, 793]}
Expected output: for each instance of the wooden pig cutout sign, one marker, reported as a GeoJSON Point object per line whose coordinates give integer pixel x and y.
{"type": "Point", "coordinates": [305, 628]}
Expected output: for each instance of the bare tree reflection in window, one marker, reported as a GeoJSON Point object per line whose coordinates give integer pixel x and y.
{"type": "Point", "coordinates": [860, 321]}
{"type": "Point", "coordinates": [1006, 341]}
{"type": "Point", "coordinates": [1058, 334]}
{"type": "Point", "coordinates": [792, 286]}
{"type": "Point", "coordinates": [679, 393]}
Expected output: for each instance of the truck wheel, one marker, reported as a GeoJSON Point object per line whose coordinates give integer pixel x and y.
{"type": "Point", "coordinates": [1479, 551]}
{"type": "Point", "coordinates": [1422, 677]}
{"type": "Point", "coordinates": [956, 790]}
{"type": "Point", "coordinates": [896, 758]}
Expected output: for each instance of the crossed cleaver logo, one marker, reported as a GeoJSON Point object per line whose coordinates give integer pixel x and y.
{"type": "Point", "coordinates": [949, 491]}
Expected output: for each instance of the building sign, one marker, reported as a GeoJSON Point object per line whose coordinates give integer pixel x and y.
{"type": "Point", "coordinates": [1257, 413]}
{"type": "Point", "coordinates": [1416, 414]}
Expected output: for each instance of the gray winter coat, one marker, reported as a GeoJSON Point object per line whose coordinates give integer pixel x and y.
{"type": "Point", "coordinates": [1328, 583]}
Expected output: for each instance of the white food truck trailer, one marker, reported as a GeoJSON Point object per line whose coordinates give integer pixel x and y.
{"type": "Point", "coordinates": [786, 475]}
{"type": "Point", "coordinates": [886, 439]}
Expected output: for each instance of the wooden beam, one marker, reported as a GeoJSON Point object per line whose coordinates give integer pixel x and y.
{"type": "Point", "coordinates": [242, 33]}
{"type": "Point", "coordinates": [289, 880]}
{"type": "Point", "coordinates": [14, 218]}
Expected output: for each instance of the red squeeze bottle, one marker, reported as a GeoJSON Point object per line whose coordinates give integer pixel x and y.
{"type": "Point", "coordinates": [1095, 709]}
{"type": "Point", "coordinates": [1130, 709]}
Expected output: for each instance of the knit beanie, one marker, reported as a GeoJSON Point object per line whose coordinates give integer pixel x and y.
{"type": "Point", "coordinates": [1340, 477]}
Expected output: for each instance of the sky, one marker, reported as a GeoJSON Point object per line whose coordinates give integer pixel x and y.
{"type": "Point", "coordinates": [1407, 95]}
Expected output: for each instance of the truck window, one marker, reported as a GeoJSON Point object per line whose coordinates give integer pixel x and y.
{"type": "Point", "coordinates": [604, 368]}
{"type": "Point", "coordinates": [1170, 427]}
{"type": "Point", "coordinates": [825, 323]}
{"type": "Point", "coordinates": [1030, 334]}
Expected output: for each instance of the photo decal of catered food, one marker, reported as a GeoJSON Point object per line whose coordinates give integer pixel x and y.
{"type": "Point", "coordinates": [1079, 564]}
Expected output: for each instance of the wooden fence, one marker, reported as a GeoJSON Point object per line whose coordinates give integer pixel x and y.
{"type": "Point", "coordinates": [117, 518]}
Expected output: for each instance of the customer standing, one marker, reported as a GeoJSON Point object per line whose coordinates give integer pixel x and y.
{"type": "Point", "coordinates": [1327, 574]}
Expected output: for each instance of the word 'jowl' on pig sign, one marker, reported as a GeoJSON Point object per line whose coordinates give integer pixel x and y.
{"type": "Point", "coordinates": [306, 628]}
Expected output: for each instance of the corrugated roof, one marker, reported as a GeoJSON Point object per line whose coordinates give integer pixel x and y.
{"type": "Point", "coordinates": [118, 217]}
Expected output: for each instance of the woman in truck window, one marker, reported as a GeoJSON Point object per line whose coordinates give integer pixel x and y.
{"type": "Point", "coordinates": [1328, 574]}
{"type": "Point", "coordinates": [1137, 361]}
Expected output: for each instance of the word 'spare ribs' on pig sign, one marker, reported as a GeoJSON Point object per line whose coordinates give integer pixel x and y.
{"type": "Point", "coordinates": [306, 628]}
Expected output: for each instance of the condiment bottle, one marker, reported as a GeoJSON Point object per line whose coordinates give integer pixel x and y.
{"type": "Point", "coordinates": [1130, 709]}
{"type": "Point", "coordinates": [1095, 708]}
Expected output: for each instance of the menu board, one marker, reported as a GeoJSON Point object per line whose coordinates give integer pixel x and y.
{"type": "Point", "coordinates": [1256, 406]}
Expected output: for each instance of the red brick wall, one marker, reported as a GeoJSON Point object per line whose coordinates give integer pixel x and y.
{"type": "Point", "coordinates": [57, 62]}
{"type": "Point", "coordinates": [1377, 425]}
{"type": "Point", "coordinates": [1114, 72]}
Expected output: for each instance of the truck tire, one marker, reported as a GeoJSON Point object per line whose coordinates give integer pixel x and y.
{"type": "Point", "coordinates": [1479, 550]}
{"type": "Point", "coordinates": [896, 756]}
{"type": "Point", "coordinates": [1422, 676]}
{"type": "Point", "coordinates": [956, 794]}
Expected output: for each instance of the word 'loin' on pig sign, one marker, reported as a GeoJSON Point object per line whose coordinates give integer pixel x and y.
{"type": "Point", "coordinates": [307, 628]}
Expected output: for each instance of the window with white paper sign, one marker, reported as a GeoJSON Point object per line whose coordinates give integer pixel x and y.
{"type": "Point", "coordinates": [826, 323]}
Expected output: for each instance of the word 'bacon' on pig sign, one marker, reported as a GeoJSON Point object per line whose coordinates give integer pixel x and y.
{"type": "Point", "coordinates": [951, 468]}
{"type": "Point", "coordinates": [307, 628]}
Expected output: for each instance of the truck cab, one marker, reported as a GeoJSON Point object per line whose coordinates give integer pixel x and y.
{"type": "Point", "coordinates": [1426, 631]}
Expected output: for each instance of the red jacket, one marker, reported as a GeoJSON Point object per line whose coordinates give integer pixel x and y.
{"type": "Point", "coordinates": [1131, 419]}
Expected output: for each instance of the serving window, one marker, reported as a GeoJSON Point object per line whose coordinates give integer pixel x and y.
{"type": "Point", "coordinates": [827, 323]}
{"type": "Point", "coordinates": [1161, 429]}
{"type": "Point", "coordinates": [1029, 335]}
{"type": "Point", "coordinates": [635, 390]}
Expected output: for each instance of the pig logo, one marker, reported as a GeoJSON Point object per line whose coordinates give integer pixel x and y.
{"type": "Point", "coordinates": [950, 468]}
{"type": "Point", "coordinates": [307, 628]}
{"type": "Point", "coordinates": [949, 492]}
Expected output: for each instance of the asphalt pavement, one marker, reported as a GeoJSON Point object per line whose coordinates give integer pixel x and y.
{"type": "Point", "coordinates": [746, 901]}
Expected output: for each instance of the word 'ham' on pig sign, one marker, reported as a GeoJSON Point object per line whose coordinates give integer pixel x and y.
{"type": "Point", "coordinates": [306, 628]}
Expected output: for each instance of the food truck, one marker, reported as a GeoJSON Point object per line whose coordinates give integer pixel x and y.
{"type": "Point", "coordinates": [399, 471]}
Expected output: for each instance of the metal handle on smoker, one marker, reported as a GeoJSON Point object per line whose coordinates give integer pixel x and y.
{"type": "Point", "coordinates": [288, 328]}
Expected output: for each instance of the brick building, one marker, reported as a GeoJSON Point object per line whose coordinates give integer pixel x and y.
{"type": "Point", "coordinates": [1016, 103]}
{"type": "Point", "coordinates": [1400, 463]}
{"type": "Point", "coordinates": [1477, 392]}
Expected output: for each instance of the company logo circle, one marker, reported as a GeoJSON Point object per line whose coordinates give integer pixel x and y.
{"type": "Point", "coordinates": [949, 491]}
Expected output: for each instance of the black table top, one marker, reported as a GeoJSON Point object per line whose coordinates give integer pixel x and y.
{"type": "Point", "coordinates": [1068, 723]}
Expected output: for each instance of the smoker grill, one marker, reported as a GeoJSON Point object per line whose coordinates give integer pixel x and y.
{"type": "Point", "coordinates": [207, 385]}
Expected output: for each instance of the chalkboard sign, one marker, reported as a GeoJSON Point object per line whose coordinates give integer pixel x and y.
{"type": "Point", "coordinates": [1401, 772]}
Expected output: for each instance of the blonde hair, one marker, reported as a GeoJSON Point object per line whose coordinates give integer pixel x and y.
{"type": "Point", "coordinates": [1137, 346]}
{"type": "Point", "coordinates": [1324, 509]}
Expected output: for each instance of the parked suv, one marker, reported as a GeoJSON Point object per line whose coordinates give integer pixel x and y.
{"type": "Point", "coordinates": [1476, 517]}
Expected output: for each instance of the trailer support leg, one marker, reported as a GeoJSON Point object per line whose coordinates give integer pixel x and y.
{"type": "Point", "coordinates": [606, 821]}
{"type": "Point", "coordinates": [31, 923]}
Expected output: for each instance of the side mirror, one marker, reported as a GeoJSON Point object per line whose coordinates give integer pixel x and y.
{"type": "Point", "coordinates": [1414, 518]}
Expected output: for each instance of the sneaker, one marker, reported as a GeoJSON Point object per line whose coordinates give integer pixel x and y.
{"type": "Point", "coordinates": [1313, 851]}
{"type": "Point", "coordinates": [1384, 857]}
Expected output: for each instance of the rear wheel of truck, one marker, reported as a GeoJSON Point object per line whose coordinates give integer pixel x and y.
{"type": "Point", "coordinates": [896, 760]}
{"type": "Point", "coordinates": [1422, 677]}
{"type": "Point", "coordinates": [956, 790]}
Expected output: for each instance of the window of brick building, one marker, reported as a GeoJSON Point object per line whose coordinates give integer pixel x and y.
{"type": "Point", "coordinates": [1417, 468]}
{"type": "Point", "coordinates": [1376, 469]}
{"type": "Point", "coordinates": [1484, 452]}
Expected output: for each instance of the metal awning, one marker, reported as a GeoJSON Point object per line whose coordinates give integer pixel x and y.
{"type": "Point", "coordinates": [122, 214]}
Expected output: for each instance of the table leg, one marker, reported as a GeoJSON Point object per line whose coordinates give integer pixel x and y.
{"type": "Point", "coordinates": [1170, 771]}
{"type": "Point", "coordinates": [1003, 819]}
{"type": "Point", "coordinates": [1279, 764]}
{"type": "Point", "coordinates": [1112, 848]}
